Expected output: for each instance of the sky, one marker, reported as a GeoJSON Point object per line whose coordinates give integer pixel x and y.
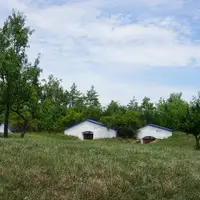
{"type": "Point", "coordinates": [124, 48]}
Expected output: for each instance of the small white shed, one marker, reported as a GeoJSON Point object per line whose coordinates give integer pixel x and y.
{"type": "Point", "coordinates": [2, 128]}
{"type": "Point", "coordinates": [152, 131]}
{"type": "Point", "coordinates": [89, 130]}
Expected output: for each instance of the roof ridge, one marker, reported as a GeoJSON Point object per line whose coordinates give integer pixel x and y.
{"type": "Point", "coordinates": [88, 120]}
{"type": "Point", "coordinates": [157, 126]}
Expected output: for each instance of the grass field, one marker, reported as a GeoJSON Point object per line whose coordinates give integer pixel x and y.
{"type": "Point", "coordinates": [45, 166]}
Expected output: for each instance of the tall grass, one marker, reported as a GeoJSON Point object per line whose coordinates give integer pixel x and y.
{"type": "Point", "coordinates": [52, 167]}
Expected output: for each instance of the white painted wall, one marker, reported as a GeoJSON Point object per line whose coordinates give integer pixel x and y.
{"type": "Point", "coordinates": [2, 129]}
{"type": "Point", "coordinates": [98, 131]}
{"type": "Point", "coordinates": [154, 132]}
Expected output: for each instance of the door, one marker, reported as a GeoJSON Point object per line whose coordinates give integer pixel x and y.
{"type": "Point", "coordinates": [148, 139]}
{"type": "Point", "coordinates": [88, 135]}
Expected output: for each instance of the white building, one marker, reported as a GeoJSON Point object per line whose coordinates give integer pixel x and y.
{"type": "Point", "coordinates": [151, 132]}
{"type": "Point", "coordinates": [90, 129]}
{"type": "Point", "coordinates": [2, 128]}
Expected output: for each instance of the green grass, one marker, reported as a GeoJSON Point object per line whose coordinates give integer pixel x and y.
{"type": "Point", "coordinates": [51, 166]}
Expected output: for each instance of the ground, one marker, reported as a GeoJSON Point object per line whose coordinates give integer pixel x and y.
{"type": "Point", "coordinates": [51, 166]}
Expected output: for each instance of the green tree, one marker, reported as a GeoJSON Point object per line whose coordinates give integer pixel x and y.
{"type": "Point", "coordinates": [169, 112]}
{"type": "Point", "coordinates": [191, 120]}
{"type": "Point", "coordinates": [133, 104]}
{"type": "Point", "coordinates": [26, 93]}
{"type": "Point", "coordinates": [53, 104]}
{"type": "Point", "coordinates": [125, 120]}
{"type": "Point", "coordinates": [72, 116]}
{"type": "Point", "coordinates": [14, 40]}
{"type": "Point", "coordinates": [126, 123]}
{"type": "Point", "coordinates": [147, 110]}
{"type": "Point", "coordinates": [76, 98]}
{"type": "Point", "coordinates": [113, 108]}
{"type": "Point", "coordinates": [53, 90]}
{"type": "Point", "coordinates": [92, 98]}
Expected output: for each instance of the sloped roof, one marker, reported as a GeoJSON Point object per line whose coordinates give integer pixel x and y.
{"type": "Point", "coordinates": [88, 120]}
{"type": "Point", "coordinates": [156, 126]}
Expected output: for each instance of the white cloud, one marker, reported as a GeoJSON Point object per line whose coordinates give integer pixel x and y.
{"type": "Point", "coordinates": [13, 4]}
{"type": "Point", "coordinates": [139, 44]}
{"type": "Point", "coordinates": [81, 36]}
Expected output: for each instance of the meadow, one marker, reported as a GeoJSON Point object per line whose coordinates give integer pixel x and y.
{"type": "Point", "coordinates": [55, 167]}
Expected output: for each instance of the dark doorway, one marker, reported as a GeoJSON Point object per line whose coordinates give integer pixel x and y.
{"type": "Point", "coordinates": [88, 135]}
{"type": "Point", "coordinates": [148, 139]}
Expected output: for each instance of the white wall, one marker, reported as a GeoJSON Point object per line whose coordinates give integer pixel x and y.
{"type": "Point", "coordinates": [98, 131]}
{"type": "Point", "coordinates": [2, 129]}
{"type": "Point", "coordinates": [154, 132]}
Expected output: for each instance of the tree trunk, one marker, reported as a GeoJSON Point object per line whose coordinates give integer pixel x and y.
{"type": "Point", "coordinates": [25, 121]}
{"type": "Point", "coordinates": [6, 121]}
{"type": "Point", "coordinates": [197, 142]}
{"type": "Point", "coordinates": [24, 127]}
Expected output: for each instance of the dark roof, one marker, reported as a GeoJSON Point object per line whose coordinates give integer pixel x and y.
{"type": "Point", "coordinates": [88, 120]}
{"type": "Point", "coordinates": [156, 126]}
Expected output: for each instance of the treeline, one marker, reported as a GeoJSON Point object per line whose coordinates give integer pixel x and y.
{"type": "Point", "coordinates": [30, 104]}
{"type": "Point", "coordinates": [57, 108]}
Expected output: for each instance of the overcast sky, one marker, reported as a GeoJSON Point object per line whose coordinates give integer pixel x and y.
{"type": "Point", "coordinates": [124, 48]}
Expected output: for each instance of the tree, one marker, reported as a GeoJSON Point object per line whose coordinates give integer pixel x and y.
{"type": "Point", "coordinates": [112, 108]}
{"type": "Point", "coordinates": [53, 90]}
{"type": "Point", "coordinates": [191, 120]}
{"type": "Point", "coordinates": [53, 104]}
{"type": "Point", "coordinates": [147, 110]}
{"type": "Point", "coordinates": [92, 98]}
{"type": "Point", "coordinates": [75, 97]}
{"type": "Point", "coordinates": [124, 120]}
{"type": "Point", "coordinates": [13, 43]}
{"type": "Point", "coordinates": [71, 117]}
{"type": "Point", "coordinates": [26, 93]}
{"type": "Point", "coordinates": [169, 112]}
{"type": "Point", "coordinates": [126, 123]}
{"type": "Point", "coordinates": [133, 104]}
